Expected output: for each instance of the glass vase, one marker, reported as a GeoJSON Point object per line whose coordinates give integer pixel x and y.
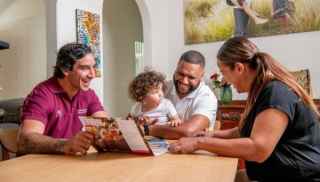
{"type": "Point", "coordinates": [226, 95]}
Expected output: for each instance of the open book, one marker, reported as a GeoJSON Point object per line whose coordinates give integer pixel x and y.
{"type": "Point", "coordinates": [119, 135]}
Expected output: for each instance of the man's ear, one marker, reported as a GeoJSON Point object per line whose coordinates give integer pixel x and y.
{"type": "Point", "coordinates": [202, 74]}
{"type": "Point", "coordinates": [65, 71]}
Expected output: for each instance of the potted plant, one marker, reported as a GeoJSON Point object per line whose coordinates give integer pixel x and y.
{"type": "Point", "coordinates": [221, 88]}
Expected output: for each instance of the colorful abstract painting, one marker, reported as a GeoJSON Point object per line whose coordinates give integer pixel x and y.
{"type": "Point", "coordinates": [88, 32]}
{"type": "Point", "coordinates": [218, 20]}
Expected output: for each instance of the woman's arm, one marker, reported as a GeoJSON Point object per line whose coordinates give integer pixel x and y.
{"type": "Point", "coordinates": [227, 134]}
{"type": "Point", "coordinates": [267, 130]}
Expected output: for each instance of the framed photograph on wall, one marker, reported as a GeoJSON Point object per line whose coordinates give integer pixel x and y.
{"type": "Point", "coordinates": [88, 32]}
{"type": "Point", "coordinates": [218, 20]}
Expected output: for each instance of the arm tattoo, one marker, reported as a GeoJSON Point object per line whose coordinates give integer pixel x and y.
{"type": "Point", "coordinates": [39, 144]}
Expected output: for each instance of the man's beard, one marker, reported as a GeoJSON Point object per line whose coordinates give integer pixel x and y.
{"type": "Point", "coordinates": [191, 87]}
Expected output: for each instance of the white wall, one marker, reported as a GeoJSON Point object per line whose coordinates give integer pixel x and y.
{"type": "Point", "coordinates": [158, 12]}
{"type": "Point", "coordinates": [120, 32]}
{"type": "Point", "coordinates": [295, 51]}
{"type": "Point", "coordinates": [22, 24]}
{"type": "Point", "coordinates": [121, 26]}
{"type": "Point", "coordinates": [66, 29]}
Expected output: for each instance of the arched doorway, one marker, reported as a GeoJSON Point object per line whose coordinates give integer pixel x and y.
{"type": "Point", "coordinates": [122, 36]}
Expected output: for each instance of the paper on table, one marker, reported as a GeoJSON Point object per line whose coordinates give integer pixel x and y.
{"type": "Point", "coordinates": [158, 146]}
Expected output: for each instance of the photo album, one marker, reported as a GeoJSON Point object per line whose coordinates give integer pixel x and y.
{"type": "Point", "coordinates": [120, 135]}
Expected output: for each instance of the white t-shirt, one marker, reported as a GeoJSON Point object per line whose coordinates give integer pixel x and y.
{"type": "Point", "coordinates": [164, 112]}
{"type": "Point", "coordinates": [201, 101]}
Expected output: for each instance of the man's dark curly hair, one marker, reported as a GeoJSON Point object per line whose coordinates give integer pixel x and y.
{"type": "Point", "coordinates": [143, 83]}
{"type": "Point", "coordinates": [67, 57]}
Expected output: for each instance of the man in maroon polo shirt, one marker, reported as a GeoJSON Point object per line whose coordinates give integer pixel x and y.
{"type": "Point", "coordinates": [50, 118]}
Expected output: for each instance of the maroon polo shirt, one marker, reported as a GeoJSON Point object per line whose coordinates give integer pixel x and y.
{"type": "Point", "coordinates": [49, 104]}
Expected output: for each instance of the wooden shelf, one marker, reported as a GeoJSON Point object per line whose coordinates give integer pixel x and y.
{"type": "Point", "coordinates": [230, 114]}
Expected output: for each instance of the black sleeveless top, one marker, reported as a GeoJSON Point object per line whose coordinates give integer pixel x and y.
{"type": "Point", "coordinates": [296, 157]}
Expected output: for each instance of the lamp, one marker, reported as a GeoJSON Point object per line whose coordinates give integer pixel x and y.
{"type": "Point", "coordinates": [4, 45]}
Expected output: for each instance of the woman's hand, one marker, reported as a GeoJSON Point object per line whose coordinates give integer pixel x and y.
{"type": "Point", "coordinates": [184, 145]}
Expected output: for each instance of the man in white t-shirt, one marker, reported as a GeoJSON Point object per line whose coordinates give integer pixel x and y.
{"type": "Point", "coordinates": [194, 101]}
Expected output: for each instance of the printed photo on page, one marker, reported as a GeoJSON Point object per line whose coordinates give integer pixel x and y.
{"type": "Point", "coordinates": [118, 135]}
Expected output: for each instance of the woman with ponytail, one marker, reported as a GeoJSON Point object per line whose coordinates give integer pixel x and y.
{"type": "Point", "coordinates": [279, 134]}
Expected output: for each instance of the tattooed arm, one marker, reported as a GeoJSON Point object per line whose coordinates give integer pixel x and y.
{"type": "Point", "coordinates": [32, 140]}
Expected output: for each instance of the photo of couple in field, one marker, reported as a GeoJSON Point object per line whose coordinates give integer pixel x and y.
{"type": "Point", "coordinates": [217, 20]}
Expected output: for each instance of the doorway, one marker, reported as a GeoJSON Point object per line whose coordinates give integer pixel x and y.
{"type": "Point", "coordinates": [122, 29]}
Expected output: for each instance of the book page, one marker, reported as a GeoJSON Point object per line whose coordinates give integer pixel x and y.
{"type": "Point", "coordinates": [133, 137]}
{"type": "Point", "coordinates": [107, 135]}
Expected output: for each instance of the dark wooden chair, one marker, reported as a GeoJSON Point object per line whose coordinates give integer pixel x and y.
{"type": "Point", "coordinates": [8, 142]}
{"type": "Point", "coordinates": [303, 78]}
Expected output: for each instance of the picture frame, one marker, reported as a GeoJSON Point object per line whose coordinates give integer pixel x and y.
{"type": "Point", "coordinates": [88, 33]}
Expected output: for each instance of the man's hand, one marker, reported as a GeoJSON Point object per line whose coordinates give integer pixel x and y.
{"type": "Point", "coordinates": [184, 145]}
{"type": "Point", "coordinates": [79, 144]}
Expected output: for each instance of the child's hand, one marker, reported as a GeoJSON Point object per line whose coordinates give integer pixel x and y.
{"type": "Point", "coordinates": [175, 122]}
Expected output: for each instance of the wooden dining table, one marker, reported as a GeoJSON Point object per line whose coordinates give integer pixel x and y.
{"type": "Point", "coordinates": [119, 167]}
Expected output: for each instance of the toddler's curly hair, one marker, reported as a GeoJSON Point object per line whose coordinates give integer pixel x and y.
{"type": "Point", "coordinates": [143, 83]}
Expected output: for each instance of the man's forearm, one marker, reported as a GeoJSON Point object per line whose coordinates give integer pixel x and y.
{"type": "Point", "coordinates": [40, 144]}
{"type": "Point", "coordinates": [187, 129]}
{"type": "Point", "coordinates": [167, 132]}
